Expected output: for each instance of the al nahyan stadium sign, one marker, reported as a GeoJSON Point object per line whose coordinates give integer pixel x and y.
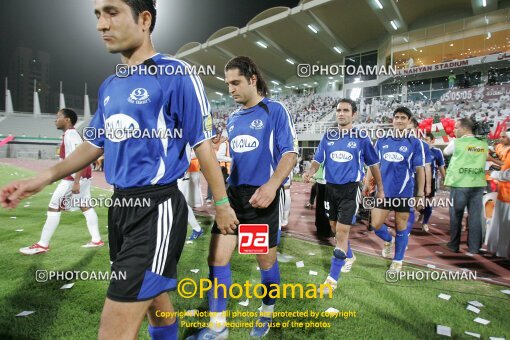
{"type": "Point", "coordinates": [454, 64]}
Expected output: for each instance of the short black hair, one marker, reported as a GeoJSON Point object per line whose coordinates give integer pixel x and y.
{"type": "Point", "coordinates": [414, 121]}
{"type": "Point", "coordinates": [467, 123]}
{"type": "Point", "coordinates": [349, 101]}
{"type": "Point", "coordinates": [248, 68]}
{"type": "Point", "coordinates": [404, 110]}
{"type": "Point", "coordinates": [139, 6]}
{"type": "Point", "coordinates": [430, 135]}
{"type": "Point", "coordinates": [68, 113]}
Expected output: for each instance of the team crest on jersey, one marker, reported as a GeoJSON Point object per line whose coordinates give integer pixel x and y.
{"type": "Point", "coordinates": [106, 100]}
{"type": "Point", "coordinates": [257, 124]}
{"type": "Point", "coordinates": [351, 145]}
{"type": "Point", "coordinates": [139, 96]}
{"type": "Point", "coordinates": [403, 148]}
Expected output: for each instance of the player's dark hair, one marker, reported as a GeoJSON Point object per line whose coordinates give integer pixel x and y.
{"type": "Point", "coordinates": [414, 121]}
{"type": "Point", "coordinates": [139, 6]}
{"type": "Point", "coordinates": [248, 68]}
{"type": "Point", "coordinates": [467, 123]}
{"type": "Point", "coordinates": [351, 102]}
{"type": "Point", "coordinates": [430, 135]}
{"type": "Point", "coordinates": [404, 110]}
{"type": "Point", "coordinates": [68, 113]}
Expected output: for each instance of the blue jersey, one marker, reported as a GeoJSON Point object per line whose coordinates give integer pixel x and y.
{"type": "Point", "coordinates": [437, 160]}
{"type": "Point", "coordinates": [344, 159]}
{"type": "Point", "coordinates": [259, 136]}
{"type": "Point", "coordinates": [165, 114]}
{"type": "Point", "coordinates": [399, 158]}
{"type": "Point", "coordinates": [428, 154]}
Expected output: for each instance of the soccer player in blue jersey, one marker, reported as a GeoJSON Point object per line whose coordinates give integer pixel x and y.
{"type": "Point", "coordinates": [400, 154]}
{"type": "Point", "coordinates": [413, 127]}
{"type": "Point", "coordinates": [261, 136]}
{"type": "Point", "coordinates": [437, 166]}
{"type": "Point", "coordinates": [145, 242]}
{"type": "Point", "coordinates": [344, 151]}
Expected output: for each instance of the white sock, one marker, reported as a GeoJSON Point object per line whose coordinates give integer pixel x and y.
{"type": "Point", "coordinates": [192, 220]}
{"type": "Point", "coordinates": [218, 321]}
{"type": "Point", "coordinates": [92, 224]}
{"type": "Point", "coordinates": [267, 310]}
{"type": "Point", "coordinates": [52, 221]}
{"type": "Point", "coordinates": [329, 278]}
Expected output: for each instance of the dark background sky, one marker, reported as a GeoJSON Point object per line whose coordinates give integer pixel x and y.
{"type": "Point", "coordinates": [66, 30]}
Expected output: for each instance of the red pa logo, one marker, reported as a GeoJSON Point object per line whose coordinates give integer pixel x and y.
{"type": "Point", "coordinates": [253, 239]}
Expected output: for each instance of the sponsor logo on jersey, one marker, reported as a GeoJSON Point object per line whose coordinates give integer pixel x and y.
{"type": "Point", "coordinates": [351, 145]}
{"type": "Point", "coordinates": [331, 143]}
{"type": "Point", "coordinates": [341, 156]}
{"type": "Point", "coordinates": [403, 148]}
{"type": "Point", "coordinates": [230, 129]}
{"type": "Point", "coordinates": [257, 124]}
{"type": "Point", "coordinates": [244, 143]}
{"type": "Point", "coordinates": [106, 100]}
{"type": "Point", "coordinates": [119, 127]}
{"type": "Point", "coordinates": [385, 146]}
{"type": "Point", "coordinates": [139, 96]}
{"type": "Point", "coordinates": [393, 157]}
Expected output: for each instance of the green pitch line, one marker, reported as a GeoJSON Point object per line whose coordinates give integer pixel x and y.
{"type": "Point", "coordinates": [407, 310]}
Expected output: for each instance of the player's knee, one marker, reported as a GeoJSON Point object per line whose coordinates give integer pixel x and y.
{"type": "Point", "coordinates": [217, 261]}
{"type": "Point", "coordinates": [339, 254]}
{"type": "Point", "coordinates": [265, 262]}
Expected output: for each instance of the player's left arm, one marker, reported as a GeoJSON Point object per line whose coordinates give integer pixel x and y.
{"type": "Point", "coordinates": [284, 138]}
{"type": "Point", "coordinates": [190, 101]}
{"type": "Point", "coordinates": [372, 160]}
{"type": "Point", "coordinates": [428, 168]}
{"type": "Point", "coordinates": [418, 162]}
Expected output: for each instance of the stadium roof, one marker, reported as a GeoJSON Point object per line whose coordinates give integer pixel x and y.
{"type": "Point", "coordinates": [315, 31]}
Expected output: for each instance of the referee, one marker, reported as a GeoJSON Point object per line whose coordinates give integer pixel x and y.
{"type": "Point", "coordinates": [261, 137]}
{"type": "Point", "coordinates": [344, 151]}
{"type": "Point", "coordinates": [145, 242]}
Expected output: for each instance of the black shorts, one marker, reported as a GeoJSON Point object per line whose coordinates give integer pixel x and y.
{"type": "Point", "coordinates": [396, 204]}
{"type": "Point", "coordinates": [341, 202]}
{"type": "Point", "coordinates": [146, 241]}
{"type": "Point", "coordinates": [246, 214]}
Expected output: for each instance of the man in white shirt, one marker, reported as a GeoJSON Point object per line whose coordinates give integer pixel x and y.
{"type": "Point", "coordinates": [77, 184]}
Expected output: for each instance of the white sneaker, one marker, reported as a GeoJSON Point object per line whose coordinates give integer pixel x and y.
{"type": "Point", "coordinates": [348, 264]}
{"type": "Point", "coordinates": [34, 249]}
{"type": "Point", "coordinates": [93, 244]}
{"type": "Point", "coordinates": [386, 252]}
{"type": "Point", "coordinates": [425, 227]}
{"type": "Point", "coordinates": [395, 266]}
{"type": "Point", "coordinates": [325, 287]}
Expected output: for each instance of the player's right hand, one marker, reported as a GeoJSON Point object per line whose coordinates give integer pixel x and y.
{"type": "Point", "coordinates": [12, 194]}
{"type": "Point", "coordinates": [306, 177]}
{"type": "Point", "coordinates": [226, 219]}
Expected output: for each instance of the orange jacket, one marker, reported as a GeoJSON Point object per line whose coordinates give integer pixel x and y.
{"type": "Point", "coordinates": [504, 187]}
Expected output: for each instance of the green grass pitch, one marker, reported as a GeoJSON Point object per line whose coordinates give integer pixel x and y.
{"type": "Point", "coordinates": [405, 310]}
